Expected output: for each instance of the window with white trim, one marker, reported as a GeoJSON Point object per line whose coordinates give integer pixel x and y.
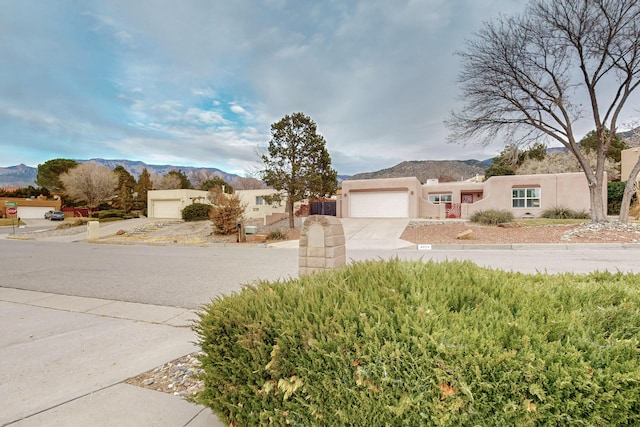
{"type": "Point", "coordinates": [525, 197]}
{"type": "Point", "coordinates": [259, 200]}
{"type": "Point", "coordinates": [440, 198]}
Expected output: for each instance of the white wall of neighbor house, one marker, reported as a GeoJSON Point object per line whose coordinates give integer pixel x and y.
{"type": "Point", "coordinates": [257, 207]}
{"type": "Point", "coordinates": [523, 195]}
{"type": "Point", "coordinates": [169, 203]}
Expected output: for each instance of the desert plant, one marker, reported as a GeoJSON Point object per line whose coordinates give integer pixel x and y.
{"type": "Point", "coordinates": [277, 235]}
{"type": "Point", "coordinates": [564, 213]}
{"type": "Point", "coordinates": [196, 212]}
{"type": "Point", "coordinates": [227, 213]}
{"type": "Point", "coordinates": [411, 343]}
{"type": "Point", "coordinates": [70, 223]}
{"type": "Point", "coordinates": [492, 217]}
{"type": "Point", "coordinates": [111, 213]}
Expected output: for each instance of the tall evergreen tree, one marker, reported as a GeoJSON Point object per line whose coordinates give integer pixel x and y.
{"type": "Point", "coordinates": [49, 174]}
{"type": "Point", "coordinates": [142, 187]}
{"type": "Point", "coordinates": [124, 198]}
{"type": "Point", "coordinates": [297, 161]}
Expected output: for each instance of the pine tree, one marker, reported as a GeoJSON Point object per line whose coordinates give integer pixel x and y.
{"type": "Point", "coordinates": [142, 187]}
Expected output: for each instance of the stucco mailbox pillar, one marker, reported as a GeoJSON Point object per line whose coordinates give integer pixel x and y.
{"type": "Point", "coordinates": [322, 244]}
{"type": "Point", "coordinates": [93, 230]}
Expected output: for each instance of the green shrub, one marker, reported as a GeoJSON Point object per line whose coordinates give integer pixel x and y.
{"type": "Point", "coordinates": [564, 213]}
{"type": "Point", "coordinates": [196, 212]}
{"type": "Point", "coordinates": [410, 343]}
{"type": "Point", "coordinates": [492, 217]}
{"type": "Point", "coordinates": [615, 191]}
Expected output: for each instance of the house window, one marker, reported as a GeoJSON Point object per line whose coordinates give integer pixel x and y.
{"type": "Point", "coordinates": [259, 200]}
{"type": "Point", "coordinates": [525, 197]}
{"type": "Point", "coordinates": [440, 198]}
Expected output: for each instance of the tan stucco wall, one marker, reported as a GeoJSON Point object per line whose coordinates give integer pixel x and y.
{"type": "Point", "coordinates": [412, 185]}
{"type": "Point", "coordinates": [628, 161]}
{"type": "Point", "coordinates": [569, 190]}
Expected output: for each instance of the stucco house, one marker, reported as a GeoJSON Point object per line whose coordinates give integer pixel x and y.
{"type": "Point", "coordinates": [523, 195]}
{"type": "Point", "coordinates": [169, 203]}
{"type": "Point", "coordinates": [628, 160]}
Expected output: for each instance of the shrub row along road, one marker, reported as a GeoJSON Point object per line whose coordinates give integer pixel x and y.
{"type": "Point", "coordinates": [189, 276]}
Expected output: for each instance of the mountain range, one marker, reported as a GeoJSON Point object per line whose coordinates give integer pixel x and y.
{"type": "Point", "coordinates": [24, 176]}
{"type": "Point", "coordinates": [443, 170]}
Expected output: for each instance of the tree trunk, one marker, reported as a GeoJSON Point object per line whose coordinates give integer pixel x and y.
{"type": "Point", "coordinates": [629, 189]}
{"type": "Point", "coordinates": [598, 207]}
{"type": "Point", "coordinates": [290, 211]}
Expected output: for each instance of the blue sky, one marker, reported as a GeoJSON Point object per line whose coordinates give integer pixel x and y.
{"type": "Point", "coordinates": [199, 82]}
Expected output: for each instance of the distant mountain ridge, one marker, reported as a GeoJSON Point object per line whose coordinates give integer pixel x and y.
{"type": "Point", "coordinates": [18, 176]}
{"type": "Point", "coordinates": [444, 170]}
{"type": "Point", "coordinates": [24, 176]}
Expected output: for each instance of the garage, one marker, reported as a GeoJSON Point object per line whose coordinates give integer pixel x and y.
{"type": "Point", "coordinates": [167, 209]}
{"type": "Point", "coordinates": [379, 204]}
{"type": "Point", "coordinates": [34, 212]}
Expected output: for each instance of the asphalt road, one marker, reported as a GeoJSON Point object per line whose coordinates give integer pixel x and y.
{"type": "Point", "coordinates": [190, 276]}
{"type": "Point", "coordinates": [172, 276]}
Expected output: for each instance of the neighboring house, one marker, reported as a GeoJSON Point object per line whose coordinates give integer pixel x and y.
{"type": "Point", "coordinates": [523, 195]}
{"type": "Point", "coordinates": [628, 161]}
{"type": "Point", "coordinates": [257, 206]}
{"type": "Point", "coordinates": [32, 208]}
{"type": "Point", "coordinates": [169, 203]}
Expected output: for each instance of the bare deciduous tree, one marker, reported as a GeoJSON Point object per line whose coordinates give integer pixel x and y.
{"type": "Point", "coordinates": [90, 182]}
{"type": "Point", "coordinates": [199, 177]}
{"type": "Point", "coordinates": [247, 183]}
{"type": "Point", "coordinates": [563, 162]}
{"type": "Point", "coordinates": [165, 182]}
{"type": "Point", "coordinates": [525, 77]}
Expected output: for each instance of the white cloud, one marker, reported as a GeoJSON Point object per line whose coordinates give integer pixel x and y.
{"type": "Point", "coordinates": [238, 109]}
{"type": "Point", "coordinates": [203, 80]}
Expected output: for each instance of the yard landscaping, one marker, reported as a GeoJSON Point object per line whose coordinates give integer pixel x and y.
{"type": "Point", "coordinates": [424, 343]}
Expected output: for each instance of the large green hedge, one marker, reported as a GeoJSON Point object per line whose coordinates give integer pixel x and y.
{"type": "Point", "coordinates": [392, 343]}
{"type": "Point", "coordinates": [196, 212]}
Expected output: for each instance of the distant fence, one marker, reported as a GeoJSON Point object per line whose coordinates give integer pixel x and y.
{"type": "Point", "coordinates": [323, 208]}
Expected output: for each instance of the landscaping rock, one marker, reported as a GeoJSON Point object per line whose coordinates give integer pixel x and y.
{"type": "Point", "coordinates": [465, 235]}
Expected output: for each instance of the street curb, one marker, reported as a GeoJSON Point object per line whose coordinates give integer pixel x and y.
{"type": "Point", "coordinates": [535, 246]}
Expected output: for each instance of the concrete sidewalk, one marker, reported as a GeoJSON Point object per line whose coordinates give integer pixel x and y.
{"type": "Point", "coordinates": [64, 360]}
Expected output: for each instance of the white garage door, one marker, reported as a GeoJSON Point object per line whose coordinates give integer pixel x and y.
{"type": "Point", "coordinates": [379, 204]}
{"type": "Point", "coordinates": [33, 212]}
{"type": "Point", "coordinates": [167, 209]}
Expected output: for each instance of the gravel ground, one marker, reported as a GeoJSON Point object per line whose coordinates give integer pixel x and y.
{"type": "Point", "coordinates": [422, 232]}
{"type": "Point", "coordinates": [177, 377]}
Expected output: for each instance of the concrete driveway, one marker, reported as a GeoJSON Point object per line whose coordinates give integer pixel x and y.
{"type": "Point", "coordinates": [368, 233]}
{"type": "Point", "coordinates": [378, 233]}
